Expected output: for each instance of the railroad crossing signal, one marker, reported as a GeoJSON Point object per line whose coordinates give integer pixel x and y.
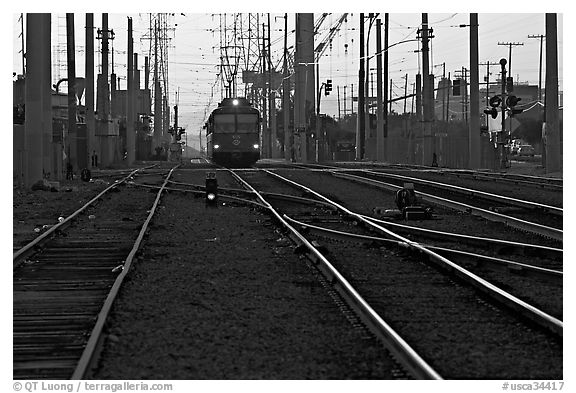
{"type": "Point", "coordinates": [328, 87]}
{"type": "Point", "coordinates": [511, 102]}
{"type": "Point", "coordinates": [494, 103]}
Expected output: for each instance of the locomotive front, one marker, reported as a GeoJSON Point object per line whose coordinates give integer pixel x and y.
{"type": "Point", "coordinates": [233, 136]}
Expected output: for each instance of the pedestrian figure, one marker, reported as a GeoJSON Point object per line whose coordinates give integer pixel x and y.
{"type": "Point", "coordinates": [434, 159]}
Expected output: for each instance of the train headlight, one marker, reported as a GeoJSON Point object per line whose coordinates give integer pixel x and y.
{"type": "Point", "coordinates": [216, 146]}
{"type": "Point", "coordinates": [234, 102]}
{"type": "Point", "coordinates": [256, 146]}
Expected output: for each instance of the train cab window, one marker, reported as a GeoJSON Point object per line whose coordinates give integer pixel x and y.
{"type": "Point", "coordinates": [247, 122]}
{"type": "Point", "coordinates": [224, 123]}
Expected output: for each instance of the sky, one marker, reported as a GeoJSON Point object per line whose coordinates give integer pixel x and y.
{"type": "Point", "coordinates": [195, 40]}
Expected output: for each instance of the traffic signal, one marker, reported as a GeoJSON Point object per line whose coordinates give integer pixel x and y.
{"type": "Point", "coordinates": [492, 112]}
{"type": "Point", "coordinates": [511, 102]}
{"type": "Point", "coordinates": [509, 84]}
{"type": "Point", "coordinates": [456, 87]}
{"type": "Point", "coordinates": [211, 189]}
{"type": "Point", "coordinates": [494, 103]}
{"type": "Point", "coordinates": [328, 87]}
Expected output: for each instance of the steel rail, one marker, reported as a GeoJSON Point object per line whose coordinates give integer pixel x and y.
{"type": "Point", "coordinates": [468, 238]}
{"type": "Point", "coordinates": [28, 249]}
{"type": "Point", "coordinates": [549, 180]}
{"type": "Point", "coordinates": [290, 198]}
{"type": "Point", "coordinates": [461, 190]}
{"type": "Point", "coordinates": [94, 341]}
{"type": "Point", "coordinates": [474, 193]}
{"type": "Point", "coordinates": [526, 310]}
{"type": "Point", "coordinates": [199, 192]}
{"type": "Point", "coordinates": [542, 230]}
{"type": "Point", "coordinates": [506, 178]}
{"type": "Point", "coordinates": [511, 265]}
{"type": "Point", "coordinates": [395, 344]}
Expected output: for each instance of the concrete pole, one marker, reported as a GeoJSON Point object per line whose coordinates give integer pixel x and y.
{"type": "Point", "coordinates": [427, 92]}
{"type": "Point", "coordinates": [379, 103]}
{"type": "Point", "coordinates": [552, 130]}
{"type": "Point", "coordinates": [52, 157]}
{"type": "Point", "coordinates": [33, 99]}
{"type": "Point", "coordinates": [157, 95]}
{"type": "Point", "coordinates": [474, 125]}
{"type": "Point", "coordinates": [304, 94]}
{"type": "Point", "coordinates": [89, 100]}
{"type": "Point", "coordinates": [264, 103]}
{"type": "Point", "coordinates": [385, 92]}
{"type": "Point", "coordinates": [130, 118]}
{"type": "Point", "coordinates": [361, 121]}
{"type": "Point", "coordinates": [71, 57]}
{"type": "Point", "coordinates": [288, 137]}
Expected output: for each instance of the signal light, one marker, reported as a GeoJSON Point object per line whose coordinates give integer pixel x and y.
{"type": "Point", "coordinates": [328, 87]}
{"type": "Point", "coordinates": [495, 101]}
{"type": "Point", "coordinates": [211, 189]}
{"type": "Point", "coordinates": [512, 101]}
{"type": "Point", "coordinates": [509, 84]}
{"type": "Point", "coordinates": [492, 111]}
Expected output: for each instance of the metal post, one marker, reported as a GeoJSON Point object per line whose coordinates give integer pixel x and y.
{"type": "Point", "coordinates": [552, 126]}
{"type": "Point", "coordinates": [360, 133]}
{"type": "Point", "coordinates": [503, 136]}
{"type": "Point", "coordinates": [474, 127]}
{"type": "Point", "coordinates": [130, 118]}
{"type": "Point", "coordinates": [380, 104]}
{"type": "Point", "coordinates": [288, 137]}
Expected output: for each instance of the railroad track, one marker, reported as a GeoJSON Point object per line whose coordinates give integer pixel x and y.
{"type": "Point", "coordinates": [318, 253]}
{"type": "Point", "coordinates": [65, 281]}
{"type": "Point", "coordinates": [536, 218]}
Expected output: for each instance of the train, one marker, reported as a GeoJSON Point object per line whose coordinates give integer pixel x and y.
{"type": "Point", "coordinates": [232, 133]}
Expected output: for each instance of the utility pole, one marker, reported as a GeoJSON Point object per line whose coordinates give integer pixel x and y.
{"type": "Point", "coordinates": [71, 56]}
{"type": "Point", "coordinates": [379, 104]}
{"type": "Point", "coordinates": [360, 132]}
{"type": "Point", "coordinates": [130, 118]}
{"type": "Point", "coordinates": [158, 116]}
{"type": "Point", "coordinates": [427, 95]}
{"type": "Point", "coordinates": [503, 136]}
{"type": "Point", "coordinates": [405, 92]}
{"type": "Point", "coordinates": [386, 98]}
{"type": "Point", "coordinates": [338, 93]}
{"type": "Point", "coordinates": [272, 101]}
{"type": "Point", "coordinates": [541, 36]}
{"type": "Point", "coordinates": [474, 127]}
{"type": "Point", "coordinates": [510, 45]}
{"type": "Point", "coordinates": [304, 101]}
{"type": "Point", "coordinates": [288, 136]}
{"type": "Point", "coordinates": [89, 70]}
{"type": "Point", "coordinates": [35, 79]}
{"type": "Point", "coordinates": [448, 99]}
{"type": "Point", "coordinates": [265, 129]}
{"type": "Point", "coordinates": [552, 126]}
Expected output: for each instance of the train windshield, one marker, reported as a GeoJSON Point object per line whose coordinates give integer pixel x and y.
{"type": "Point", "coordinates": [224, 123]}
{"type": "Point", "coordinates": [247, 122]}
